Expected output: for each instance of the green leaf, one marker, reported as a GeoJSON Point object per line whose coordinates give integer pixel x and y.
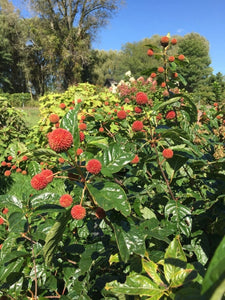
{"type": "Point", "coordinates": [175, 263]}
{"type": "Point", "coordinates": [70, 123]}
{"type": "Point", "coordinates": [180, 215]}
{"type": "Point", "coordinates": [97, 141]}
{"type": "Point", "coordinates": [114, 159]}
{"type": "Point", "coordinates": [45, 152]}
{"type": "Point", "coordinates": [213, 286]}
{"type": "Point", "coordinates": [130, 238]}
{"type": "Point", "coordinates": [87, 257]}
{"type": "Point", "coordinates": [109, 195]}
{"type": "Point", "coordinates": [136, 285]}
{"type": "Point", "coordinates": [151, 269]}
{"type": "Point", "coordinates": [14, 266]}
{"type": "Point", "coordinates": [54, 236]}
{"type": "Point", "coordinates": [33, 168]}
{"type": "Point", "coordinates": [17, 222]}
{"type": "Point", "coordinates": [46, 198]}
{"type": "Point", "coordinates": [8, 200]}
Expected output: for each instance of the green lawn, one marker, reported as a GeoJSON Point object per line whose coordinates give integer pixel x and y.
{"type": "Point", "coordinates": [32, 115]}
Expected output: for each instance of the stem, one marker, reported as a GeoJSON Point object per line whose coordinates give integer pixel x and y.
{"type": "Point", "coordinates": [35, 274]}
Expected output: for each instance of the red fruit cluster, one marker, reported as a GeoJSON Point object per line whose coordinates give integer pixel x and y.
{"type": "Point", "coordinates": [173, 41]}
{"type": "Point", "coordinates": [79, 151]}
{"type": "Point", "coordinates": [60, 140]}
{"type": "Point", "coordinates": [66, 200]}
{"type": "Point", "coordinates": [1, 221]}
{"type": "Point", "coordinates": [62, 105]}
{"type": "Point", "coordinates": [48, 174]}
{"type": "Point", "coordinates": [54, 118]}
{"type": "Point", "coordinates": [153, 75]}
{"type": "Point", "coordinates": [137, 126]}
{"type": "Point", "coordinates": [181, 57]}
{"type": "Point", "coordinates": [138, 110]}
{"type": "Point", "coordinates": [82, 136]}
{"type": "Point", "coordinates": [39, 181]}
{"type": "Point", "coordinates": [170, 115]}
{"type": "Point", "coordinates": [150, 52]}
{"type": "Point", "coordinates": [78, 212]}
{"type": "Point", "coordinates": [167, 153]}
{"type": "Point", "coordinates": [164, 41]}
{"type": "Point", "coordinates": [94, 166]}
{"type": "Point", "coordinates": [121, 114]}
{"type": "Point", "coordinates": [141, 98]}
{"type": "Point", "coordinates": [135, 160]}
{"type": "Point", "coordinates": [171, 58]}
{"type": "Point", "coordinates": [82, 126]}
{"type": "Point", "coordinates": [160, 69]}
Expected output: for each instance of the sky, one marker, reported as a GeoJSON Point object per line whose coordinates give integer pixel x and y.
{"type": "Point", "coordinates": [139, 19]}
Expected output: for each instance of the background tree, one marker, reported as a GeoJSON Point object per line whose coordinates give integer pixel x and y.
{"type": "Point", "coordinates": [12, 34]}
{"type": "Point", "coordinates": [196, 48]}
{"type": "Point", "coordinates": [69, 26]}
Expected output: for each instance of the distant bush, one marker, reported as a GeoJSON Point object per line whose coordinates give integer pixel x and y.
{"type": "Point", "coordinates": [18, 99]}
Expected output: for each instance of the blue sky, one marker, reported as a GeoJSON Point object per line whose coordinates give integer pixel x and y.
{"type": "Point", "coordinates": [139, 19]}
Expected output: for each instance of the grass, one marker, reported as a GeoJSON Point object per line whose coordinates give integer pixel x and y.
{"type": "Point", "coordinates": [32, 115]}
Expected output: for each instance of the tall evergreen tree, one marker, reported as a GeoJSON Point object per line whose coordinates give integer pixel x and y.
{"type": "Point", "coordinates": [196, 48]}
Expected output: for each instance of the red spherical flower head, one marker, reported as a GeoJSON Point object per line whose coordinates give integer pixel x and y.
{"type": "Point", "coordinates": [3, 163]}
{"type": "Point", "coordinates": [101, 129]}
{"type": "Point", "coordinates": [39, 182]}
{"type": "Point", "coordinates": [160, 69]}
{"type": "Point", "coordinates": [24, 158]}
{"type": "Point", "coordinates": [82, 136]}
{"type": "Point", "coordinates": [8, 165]}
{"type": "Point", "coordinates": [106, 103]}
{"type": "Point", "coordinates": [53, 118]}
{"type": "Point", "coordinates": [163, 84]}
{"type": "Point", "coordinates": [5, 211]}
{"type": "Point", "coordinates": [215, 104]}
{"type": "Point", "coordinates": [7, 173]}
{"type": "Point", "coordinates": [94, 166]}
{"type": "Point", "coordinates": [14, 167]}
{"type": "Point", "coordinates": [159, 116]}
{"type": "Point", "coordinates": [170, 115]}
{"type": "Point", "coordinates": [57, 125]}
{"type": "Point", "coordinates": [61, 160]}
{"type": "Point", "coordinates": [141, 98]}
{"type": "Point", "coordinates": [100, 213]}
{"type": "Point", "coordinates": [181, 57]}
{"type": "Point", "coordinates": [167, 153]}
{"type": "Point", "coordinates": [153, 75]}
{"type": "Point", "coordinates": [175, 75]}
{"type": "Point", "coordinates": [173, 41]}
{"type": "Point", "coordinates": [138, 110]}
{"type": "Point", "coordinates": [135, 160]}
{"type": "Point", "coordinates": [79, 151]}
{"type": "Point", "coordinates": [60, 140]}
{"type": "Point", "coordinates": [171, 58]}
{"type": "Point", "coordinates": [24, 172]}
{"type": "Point", "coordinates": [1, 221]}
{"type": "Point", "coordinates": [121, 114]}
{"type": "Point", "coordinates": [66, 200]}
{"type": "Point", "coordinates": [78, 212]}
{"type": "Point", "coordinates": [18, 170]}
{"type": "Point", "coordinates": [62, 106]}
{"type": "Point", "coordinates": [48, 174]}
{"type": "Point", "coordinates": [150, 52]}
{"type": "Point", "coordinates": [82, 126]}
{"type": "Point", "coordinates": [137, 126]}
{"type": "Point", "coordinates": [164, 41]}
{"type": "Point", "coordinates": [9, 158]}
{"type": "Point", "coordinates": [79, 100]}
